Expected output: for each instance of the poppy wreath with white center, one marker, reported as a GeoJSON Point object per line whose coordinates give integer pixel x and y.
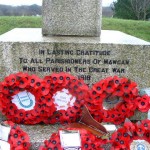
{"type": "Point", "coordinates": [18, 139]}
{"type": "Point", "coordinates": [109, 88]}
{"type": "Point", "coordinates": [88, 141]}
{"type": "Point", "coordinates": [143, 103]}
{"type": "Point", "coordinates": [124, 136]}
{"type": "Point", "coordinates": [33, 87]}
{"type": "Point", "coordinates": [67, 97]}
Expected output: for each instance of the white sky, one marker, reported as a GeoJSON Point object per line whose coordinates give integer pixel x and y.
{"type": "Point", "coordinates": [39, 2]}
{"type": "Point", "coordinates": [105, 2]}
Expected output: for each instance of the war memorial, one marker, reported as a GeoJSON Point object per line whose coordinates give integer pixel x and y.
{"type": "Point", "coordinates": [71, 41]}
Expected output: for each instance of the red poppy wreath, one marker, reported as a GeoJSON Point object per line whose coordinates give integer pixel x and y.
{"type": "Point", "coordinates": [88, 141]}
{"type": "Point", "coordinates": [20, 98]}
{"type": "Point", "coordinates": [125, 136]}
{"type": "Point", "coordinates": [12, 137]}
{"type": "Point", "coordinates": [67, 95]}
{"type": "Point", "coordinates": [119, 93]}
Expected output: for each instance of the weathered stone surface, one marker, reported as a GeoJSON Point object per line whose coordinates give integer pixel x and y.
{"type": "Point", "coordinates": [2, 118]}
{"type": "Point", "coordinates": [139, 116]}
{"type": "Point", "coordinates": [115, 53]}
{"type": "Point", "coordinates": [72, 17]}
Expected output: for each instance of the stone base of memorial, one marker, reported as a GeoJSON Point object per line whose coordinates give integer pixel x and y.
{"type": "Point", "coordinates": [89, 58]}
{"type": "Point", "coordinates": [2, 117]}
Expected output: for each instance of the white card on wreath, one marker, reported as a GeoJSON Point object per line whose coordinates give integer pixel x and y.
{"type": "Point", "coordinates": [148, 114]}
{"type": "Point", "coordinates": [24, 100]}
{"type": "Point", "coordinates": [70, 139]}
{"type": "Point", "coordinates": [63, 99]}
{"type": "Point", "coordinates": [140, 145]}
{"type": "Point", "coordinates": [4, 132]}
{"type": "Point", "coordinates": [72, 148]}
{"type": "Point", "coordinates": [4, 145]}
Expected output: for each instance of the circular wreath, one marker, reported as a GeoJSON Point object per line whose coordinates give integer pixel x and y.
{"type": "Point", "coordinates": [124, 136]}
{"type": "Point", "coordinates": [120, 91]}
{"type": "Point", "coordinates": [18, 139]}
{"type": "Point", "coordinates": [88, 141]}
{"type": "Point", "coordinates": [67, 95]}
{"type": "Point", "coordinates": [20, 98]}
{"type": "Point", "coordinates": [143, 103]}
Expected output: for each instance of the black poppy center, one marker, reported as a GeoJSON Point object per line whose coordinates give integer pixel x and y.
{"type": "Point", "coordinates": [98, 88]}
{"type": "Point", "coordinates": [32, 81]}
{"type": "Point", "coordinates": [142, 103]}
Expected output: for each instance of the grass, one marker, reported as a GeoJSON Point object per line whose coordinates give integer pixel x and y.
{"type": "Point", "coordinates": [140, 29]}
{"type": "Point", "coordinates": [8, 23]}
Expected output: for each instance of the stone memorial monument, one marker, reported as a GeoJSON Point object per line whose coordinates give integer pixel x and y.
{"type": "Point", "coordinates": [72, 17]}
{"type": "Point", "coordinates": [71, 40]}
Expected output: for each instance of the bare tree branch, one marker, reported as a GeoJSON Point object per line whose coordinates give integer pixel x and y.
{"type": "Point", "coordinates": [140, 8]}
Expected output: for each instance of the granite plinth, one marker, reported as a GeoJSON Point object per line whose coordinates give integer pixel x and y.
{"type": "Point", "coordinates": [90, 58]}
{"type": "Point", "coordinates": [72, 17]}
{"type": "Point", "coordinates": [2, 117]}
{"type": "Point", "coordinates": [34, 35]}
{"type": "Point", "coordinates": [139, 116]}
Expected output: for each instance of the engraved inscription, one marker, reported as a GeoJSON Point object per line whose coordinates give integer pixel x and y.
{"type": "Point", "coordinates": [82, 62]}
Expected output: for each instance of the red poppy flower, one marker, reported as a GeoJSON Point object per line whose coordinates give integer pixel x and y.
{"type": "Point", "coordinates": [118, 92]}
{"type": "Point", "coordinates": [109, 85]}
{"type": "Point", "coordinates": [126, 87]}
{"type": "Point", "coordinates": [123, 142]}
{"type": "Point", "coordinates": [15, 90]}
{"type": "Point", "coordinates": [4, 88]}
{"type": "Point", "coordinates": [44, 89]}
{"type": "Point", "coordinates": [143, 103]}
{"type": "Point", "coordinates": [33, 80]}
{"type": "Point", "coordinates": [38, 84]}
{"type": "Point", "coordinates": [146, 123]}
{"type": "Point", "coordinates": [10, 80]}
{"type": "Point", "coordinates": [22, 83]}
{"type": "Point", "coordinates": [117, 80]}
{"type": "Point", "coordinates": [146, 135]}
{"type": "Point", "coordinates": [98, 87]}
{"type": "Point", "coordinates": [110, 88]}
